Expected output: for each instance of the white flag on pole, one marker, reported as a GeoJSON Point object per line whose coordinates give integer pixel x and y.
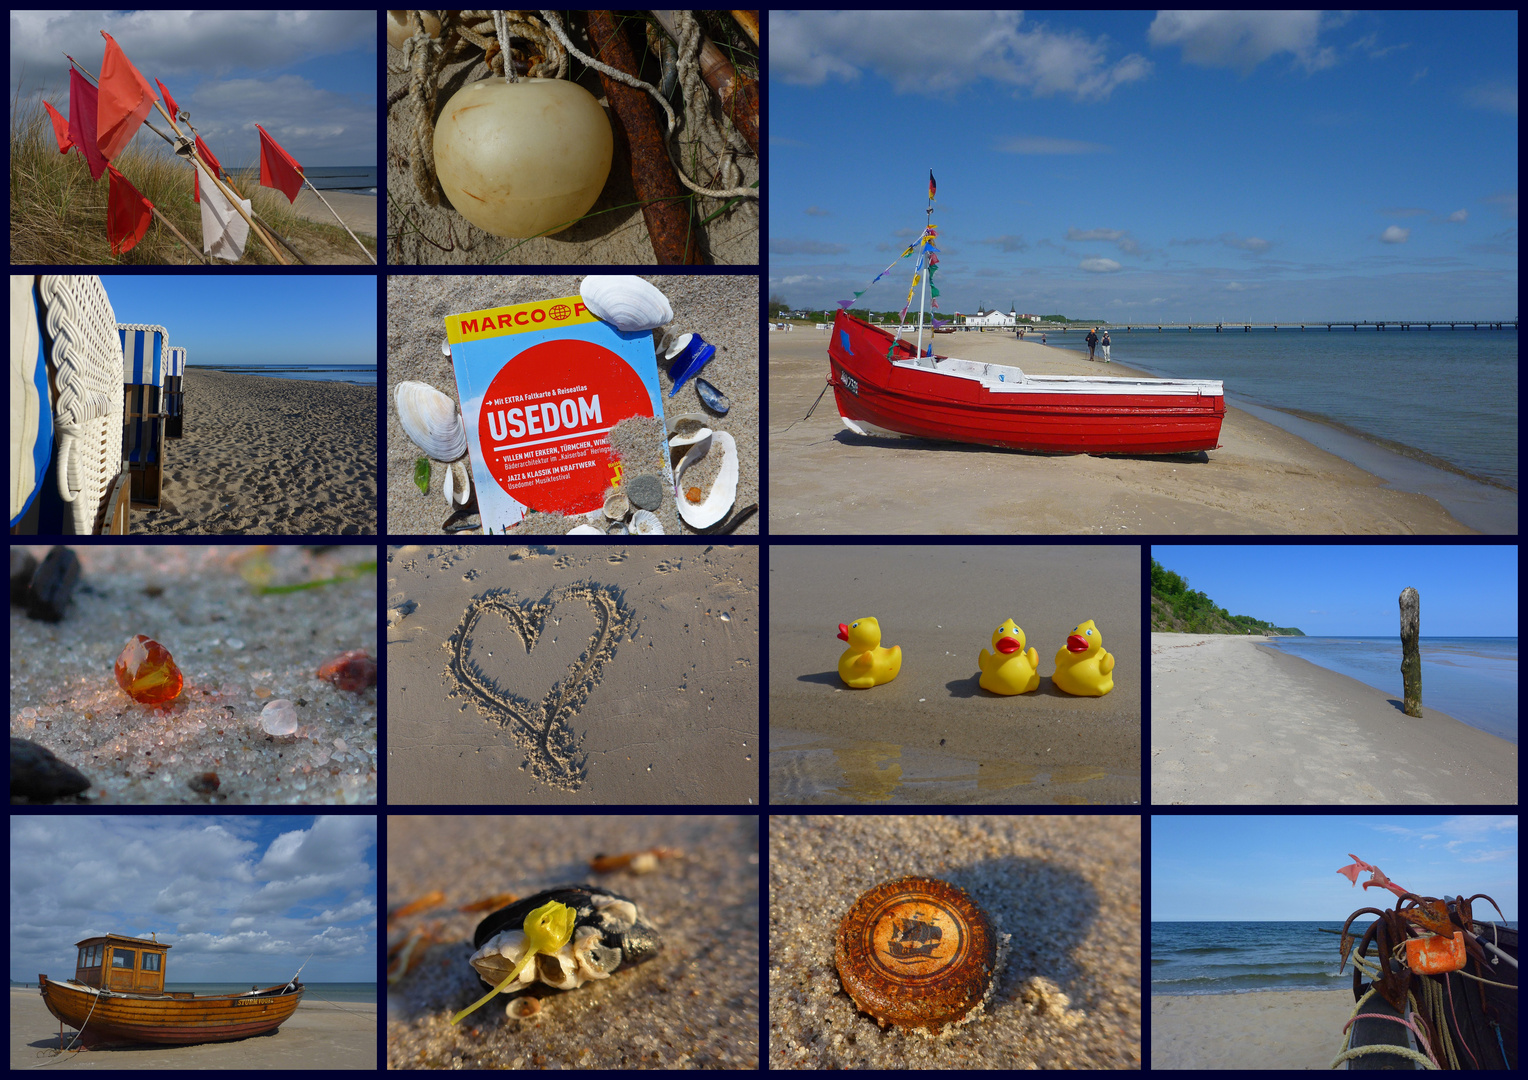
{"type": "Point", "coordinates": [224, 231]}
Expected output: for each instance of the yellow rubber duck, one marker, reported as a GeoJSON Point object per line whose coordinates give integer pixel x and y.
{"type": "Point", "coordinates": [1008, 669]}
{"type": "Point", "coordinates": [864, 663]}
{"type": "Point", "coordinates": [1082, 665]}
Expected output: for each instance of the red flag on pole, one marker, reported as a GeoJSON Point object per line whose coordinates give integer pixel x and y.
{"type": "Point", "coordinates": [212, 163]}
{"type": "Point", "coordinates": [127, 214]}
{"type": "Point", "coordinates": [168, 100]}
{"type": "Point", "coordinates": [60, 129]}
{"type": "Point", "coordinates": [126, 98]}
{"type": "Point", "coordinates": [278, 169]}
{"type": "Point", "coordinates": [82, 122]}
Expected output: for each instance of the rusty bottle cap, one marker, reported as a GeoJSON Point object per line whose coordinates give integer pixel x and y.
{"type": "Point", "coordinates": [916, 952]}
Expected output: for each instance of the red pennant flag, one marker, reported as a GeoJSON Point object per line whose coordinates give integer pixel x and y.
{"type": "Point", "coordinates": [168, 100]}
{"type": "Point", "coordinates": [126, 99]}
{"type": "Point", "coordinates": [82, 122]}
{"type": "Point", "coordinates": [127, 214]}
{"type": "Point", "coordinates": [212, 163]}
{"type": "Point", "coordinates": [278, 169]}
{"type": "Point", "coordinates": [60, 129]}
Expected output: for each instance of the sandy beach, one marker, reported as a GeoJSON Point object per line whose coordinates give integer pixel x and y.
{"type": "Point", "coordinates": [722, 309]}
{"type": "Point", "coordinates": [237, 650]}
{"type": "Point", "coordinates": [933, 735]}
{"type": "Point", "coordinates": [1236, 722]}
{"type": "Point", "coordinates": [576, 674]}
{"type": "Point", "coordinates": [1065, 888]}
{"type": "Point", "coordinates": [695, 1005]}
{"type": "Point", "coordinates": [1280, 1029]}
{"type": "Point", "coordinates": [825, 479]}
{"type": "Point", "coordinates": [357, 211]}
{"type": "Point", "coordinates": [269, 456]}
{"type": "Point", "coordinates": [320, 1035]}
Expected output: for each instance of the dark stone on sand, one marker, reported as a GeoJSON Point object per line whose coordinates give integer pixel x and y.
{"type": "Point", "coordinates": [645, 491]}
{"type": "Point", "coordinates": [37, 775]}
{"type": "Point", "coordinates": [204, 783]}
{"type": "Point", "coordinates": [53, 585]}
{"type": "Point", "coordinates": [23, 566]}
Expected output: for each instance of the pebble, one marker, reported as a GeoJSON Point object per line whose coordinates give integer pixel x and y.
{"type": "Point", "coordinates": [279, 717]}
{"type": "Point", "coordinates": [23, 566]}
{"type": "Point", "coordinates": [353, 671]}
{"type": "Point", "coordinates": [38, 775]}
{"type": "Point", "coordinates": [52, 586]}
{"type": "Point", "coordinates": [645, 491]}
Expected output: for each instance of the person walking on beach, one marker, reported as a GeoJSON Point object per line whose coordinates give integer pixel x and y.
{"type": "Point", "coordinates": [1105, 345]}
{"type": "Point", "coordinates": [1092, 340]}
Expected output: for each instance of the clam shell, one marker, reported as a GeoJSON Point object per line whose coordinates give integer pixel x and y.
{"type": "Point", "coordinates": [718, 501]}
{"type": "Point", "coordinates": [626, 301]}
{"type": "Point", "coordinates": [584, 530]}
{"type": "Point", "coordinates": [679, 442]}
{"type": "Point", "coordinates": [712, 398]}
{"type": "Point", "coordinates": [617, 506]}
{"type": "Point", "coordinates": [430, 418]}
{"type": "Point", "coordinates": [646, 523]}
{"type": "Point", "coordinates": [457, 486]}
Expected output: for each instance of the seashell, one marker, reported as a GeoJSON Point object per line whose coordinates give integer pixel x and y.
{"type": "Point", "coordinates": [617, 506]}
{"type": "Point", "coordinates": [457, 485]}
{"type": "Point", "coordinates": [679, 442]}
{"type": "Point", "coordinates": [431, 419]}
{"type": "Point", "coordinates": [646, 523]}
{"type": "Point", "coordinates": [584, 530]}
{"type": "Point", "coordinates": [712, 398]}
{"type": "Point", "coordinates": [618, 529]}
{"type": "Point", "coordinates": [723, 493]}
{"type": "Point", "coordinates": [689, 353]}
{"type": "Point", "coordinates": [445, 348]}
{"type": "Point", "coordinates": [626, 301]}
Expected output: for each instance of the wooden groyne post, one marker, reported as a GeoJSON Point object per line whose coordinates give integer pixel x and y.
{"type": "Point", "coordinates": [1411, 652]}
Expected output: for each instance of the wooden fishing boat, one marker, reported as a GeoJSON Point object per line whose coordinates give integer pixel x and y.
{"type": "Point", "coordinates": [117, 996]}
{"type": "Point", "coordinates": [884, 388]}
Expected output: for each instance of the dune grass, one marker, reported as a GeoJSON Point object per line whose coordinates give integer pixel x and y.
{"type": "Point", "coordinates": [58, 214]}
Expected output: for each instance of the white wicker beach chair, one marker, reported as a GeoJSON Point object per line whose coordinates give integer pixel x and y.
{"type": "Point", "coordinates": [175, 393]}
{"type": "Point", "coordinates": [86, 369]}
{"type": "Point", "coordinates": [31, 401]}
{"type": "Point", "coordinates": [145, 360]}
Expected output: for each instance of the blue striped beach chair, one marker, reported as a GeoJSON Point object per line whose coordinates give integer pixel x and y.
{"type": "Point", "coordinates": [145, 360]}
{"type": "Point", "coordinates": [174, 392]}
{"type": "Point", "coordinates": [67, 474]}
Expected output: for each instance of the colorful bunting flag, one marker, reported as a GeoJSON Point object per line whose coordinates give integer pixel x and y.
{"type": "Point", "coordinates": [82, 122]}
{"type": "Point", "coordinates": [168, 100]}
{"type": "Point", "coordinates": [846, 304]}
{"type": "Point", "coordinates": [126, 99]}
{"type": "Point", "coordinates": [212, 163]}
{"type": "Point", "coordinates": [127, 214]}
{"type": "Point", "coordinates": [60, 129]}
{"type": "Point", "coordinates": [278, 169]}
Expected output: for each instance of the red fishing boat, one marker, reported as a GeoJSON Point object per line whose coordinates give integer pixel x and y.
{"type": "Point", "coordinates": [882, 387]}
{"type": "Point", "coordinates": [117, 996]}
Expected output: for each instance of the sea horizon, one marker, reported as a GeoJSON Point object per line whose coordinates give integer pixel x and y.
{"type": "Point", "coordinates": [360, 374]}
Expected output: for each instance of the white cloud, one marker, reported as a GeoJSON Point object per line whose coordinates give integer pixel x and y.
{"type": "Point", "coordinates": [1395, 235]}
{"type": "Point", "coordinates": [1099, 266]}
{"type": "Point", "coordinates": [1243, 39]}
{"type": "Point", "coordinates": [920, 53]}
{"type": "Point", "coordinates": [1459, 216]}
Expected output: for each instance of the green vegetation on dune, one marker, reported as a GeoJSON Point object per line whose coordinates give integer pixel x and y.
{"type": "Point", "coordinates": [1175, 608]}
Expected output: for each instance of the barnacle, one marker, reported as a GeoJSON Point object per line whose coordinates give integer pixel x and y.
{"type": "Point", "coordinates": [547, 929]}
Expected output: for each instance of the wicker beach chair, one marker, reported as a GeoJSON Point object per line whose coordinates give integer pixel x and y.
{"type": "Point", "coordinates": [174, 392]}
{"type": "Point", "coordinates": [145, 359]}
{"type": "Point", "coordinates": [84, 486]}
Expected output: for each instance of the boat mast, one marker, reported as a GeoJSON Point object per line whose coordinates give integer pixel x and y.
{"type": "Point", "coordinates": [923, 264]}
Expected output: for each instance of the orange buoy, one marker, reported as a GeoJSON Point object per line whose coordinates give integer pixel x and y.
{"type": "Point", "coordinates": [1435, 955]}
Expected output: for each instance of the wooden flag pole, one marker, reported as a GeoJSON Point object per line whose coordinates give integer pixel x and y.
{"type": "Point", "coordinates": [341, 220]}
{"type": "Point", "coordinates": [233, 198]}
{"type": "Point", "coordinates": [166, 222]}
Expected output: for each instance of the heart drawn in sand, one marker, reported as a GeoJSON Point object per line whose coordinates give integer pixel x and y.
{"type": "Point", "coordinates": [543, 730]}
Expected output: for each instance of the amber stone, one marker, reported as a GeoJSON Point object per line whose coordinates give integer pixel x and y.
{"type": "Point", "coordinates": [916, 952]}
{"type": "Point", "coordinates": [147, 673]}
{"type": "Point", "coordinates": [353, 671]}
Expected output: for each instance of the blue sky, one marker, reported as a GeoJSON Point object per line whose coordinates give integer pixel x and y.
{"type": "Point", "coordinates": [1284, 868]}
{"type": "Point", "coordinates": [323, 319]}
{"type": "Point", "coordinates": [1138, 165]}
{"type": "Point", "coordinates": [240, 898]}
{"type": "Point", "coordinates": [1325, 590]}
{"type": "Point", "coordinates": [308, 77]}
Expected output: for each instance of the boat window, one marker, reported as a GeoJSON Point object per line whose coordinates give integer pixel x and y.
{"type": "Point", "coordinates": [93, 956]}
{"type": "Point", "coordinates": [151, 961]}
{"type": "Point", "coordinates": [122, 958]}
{"type": "Point", "coordinates": [84, 956]}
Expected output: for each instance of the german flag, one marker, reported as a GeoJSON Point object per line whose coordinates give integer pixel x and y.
{"type": "Point", "coordinates": [931, 185]}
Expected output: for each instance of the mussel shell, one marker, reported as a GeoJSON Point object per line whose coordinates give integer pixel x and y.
{"type": "Point", "coordinates": [638, 941]}
{"type": "Point", "coordinates": [712, 398]}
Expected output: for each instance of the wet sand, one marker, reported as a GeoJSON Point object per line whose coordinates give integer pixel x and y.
{"type": "Point", "coordinates": [1283, 1029]}
{"type": "Point", "coordinates": [265, 456]}
{"type": "Point", "coordinates": [1233, 722]}
{"type": "Point", "coordinates": [319, 1035]}
{"type": "Point", "coordinates": [1066, 889]}
{"type": "Point", "coordinates": [933, 735]}
{"type": "Point", "coordinates": [573, 674]}
{"type": "Point", "coordinates": [825, 479]}
{"type": "Point", "coordinates": [695, 1005]}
